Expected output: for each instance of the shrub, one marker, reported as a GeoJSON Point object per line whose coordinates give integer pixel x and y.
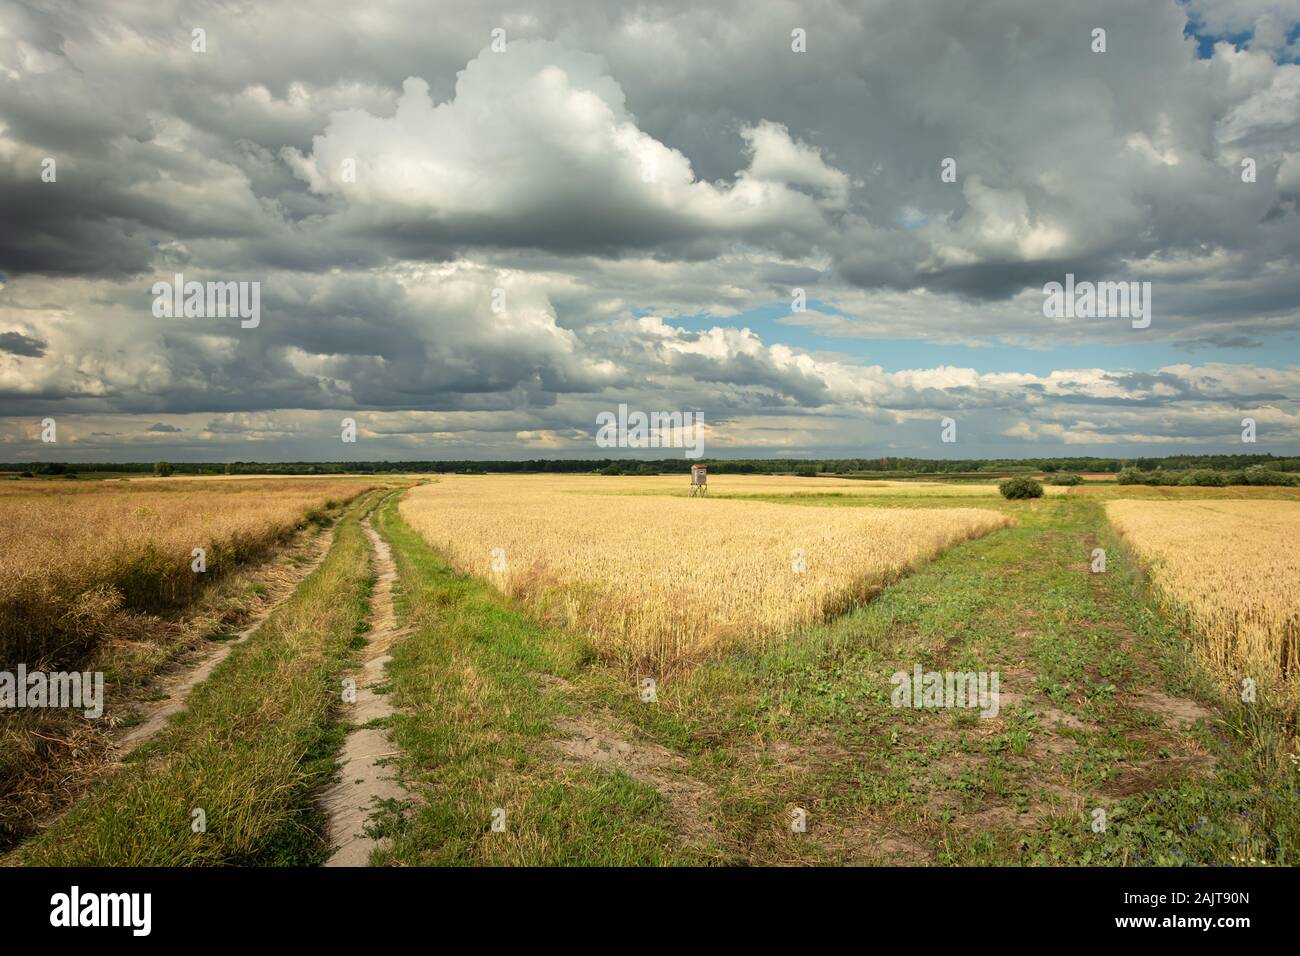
{"type": "Point", "coordinates": [1260, 475]}
{"type": "Point", "coordinates": [1209, 477]}
{"type": "Point", "coordinates": [1067, 480]}
{"type": "Point", "coordinates": [1204, 477]}
{"type": "Point", "coordinates": [1021, 487]}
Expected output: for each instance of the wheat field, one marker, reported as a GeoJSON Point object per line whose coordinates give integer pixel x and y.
{"type": "Point", "coordinates": [1231, 570]}
{"type": "Point", "coordinates": [659, 581]}
{"type": "Point", "coordinates": [760, 485]}
{"type": "Point", "coordinates": [74, 556]}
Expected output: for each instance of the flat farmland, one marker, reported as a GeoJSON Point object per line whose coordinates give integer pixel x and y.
{"type": "Point", "coordinates": [519, 618]}
{"type": "Point", "coordinates": [1231, 569]}
{"type": "Point", "coordinates": [663, 580]}
{"type": "Point", "coordinates": [101, 576]}
{"type": "Point", "coordinates": [759, 486]}
{"type": "Point", "coordinates": [75, 556]}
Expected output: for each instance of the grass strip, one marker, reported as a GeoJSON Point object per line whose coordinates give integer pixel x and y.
{"type": "Point", "coordinates": [475, 729]}
{"type": "Point", "coordinates": [807, 722]}
{"type": "Point", "coordinates": [255, 741]}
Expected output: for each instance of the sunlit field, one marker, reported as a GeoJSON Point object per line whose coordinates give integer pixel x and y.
{"type": "Point", "coordinates": [1117, 492]}
{"type": "Point", "coordinates": [74, 555]}
{"type": "Point", "coordinates": [1232, 570]}
{"type": "Point", "coordinates": [662, 581]}
{"type": "Point", "coordinates": [723, 485]}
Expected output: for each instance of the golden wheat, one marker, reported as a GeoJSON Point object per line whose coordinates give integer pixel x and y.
{"type": "Point", "coordinates": [759, 485]}
{"type": "Point", "coordinates": [1231, 570]}
{"type": "Point", "coordinates": [661, 581]}
{"type": "Point", "coordinates": [73, 555]}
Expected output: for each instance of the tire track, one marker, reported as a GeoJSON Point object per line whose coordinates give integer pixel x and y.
{"type": "Point", "coordinates": [364, 786]}
{"type": "Point", "coordinates": [179, 684]}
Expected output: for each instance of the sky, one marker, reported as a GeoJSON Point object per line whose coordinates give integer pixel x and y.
{"type": "Point", "coordinates": [824, 228]}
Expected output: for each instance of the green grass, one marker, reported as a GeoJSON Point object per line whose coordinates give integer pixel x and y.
{"type": "Point", "coordinates": [257, 738]}
{"type": "Point", "coordinates": [808, 723]}
{"type": "Point", "coordinates": [483, 694]}
{"type": "Point", "coordinates": [475, 729]}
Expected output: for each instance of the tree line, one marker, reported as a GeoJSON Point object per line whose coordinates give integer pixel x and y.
{"type": "Point", "coordinates": [856, 467]}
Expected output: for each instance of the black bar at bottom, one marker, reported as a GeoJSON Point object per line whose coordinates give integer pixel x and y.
{"type": "Point", "coordinates": [653, 906]}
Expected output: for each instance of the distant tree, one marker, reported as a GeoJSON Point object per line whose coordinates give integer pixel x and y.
{"type": "Point", "coordinates": [163, 469]}
{"type": "Point", "coordinates": [1020, 487]}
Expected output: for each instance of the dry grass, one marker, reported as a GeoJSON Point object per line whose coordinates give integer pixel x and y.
{"type": "Point", "coordinates": [1231, 570]}
{"type": "Point", "coordinates": [48, 756]}
{"type": "Point", "coordinates": [661, 581]}
{"type": "Point", "coordinates": [79, 559]}
{"type": "Point", "coordinates": [253, 742]}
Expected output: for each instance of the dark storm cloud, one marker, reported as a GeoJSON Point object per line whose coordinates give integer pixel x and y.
{"type": "Point", "coordinates": [15, 343]}
{"type": "Point", "coordinates": [617, 168]}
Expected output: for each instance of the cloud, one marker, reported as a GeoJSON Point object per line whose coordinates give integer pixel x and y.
{"type": "Point", "coordinates": [1237, 16]}
{"type": "Point", "coordinates": [537, 149]}
{"type": "Point", "coordinates": [619, 207]}
{"type": "Point", "coordinates": [15, 343]}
